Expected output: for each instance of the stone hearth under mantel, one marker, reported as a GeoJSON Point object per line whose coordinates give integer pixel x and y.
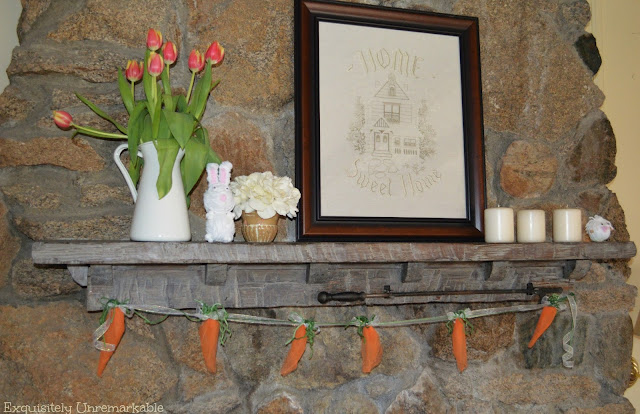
{"type": "Point", "coordinates": [245, 275]}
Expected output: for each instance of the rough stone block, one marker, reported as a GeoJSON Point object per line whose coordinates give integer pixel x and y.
{"type": "Point", "coordinates": [32, 282]}
{"type": "Point", "coordinates": [128, 26]}
{"type": "Point", "coordinates": [33, 196]}
{"type": "Point", "coordinates": [491, 335]}
{"type": "Point", "coordinates": [14, 107]}
{"type": "Point", "coordinates": [548, 351]}
{"type": "Point", "coordinates": [593, 158]}
{"type": "Point", "coordinates": [31, 11]}
{"type": "Point", "coordinates": [71, 153]}
{"type": "Point", "coordinates": [545, 89]}
{"type": "Point", "coordinates": [607, 298]}
{"type": "Point", "coordinates": [611, 348]}
{"type": "Point", "coordinates": [424, 396]}
{"type": "Point", "coordinates": [259, 75]}
{"type": "Point", "coordinates": [528, 169]}
{"type": "Point", "coordinates": [280, 404]}
{"type": "Point", "coordinates": [9, 246]}
{"type": "Point", "coordinates": [104, 228]}
{"type": "Point", "coordinates": [65, 373]}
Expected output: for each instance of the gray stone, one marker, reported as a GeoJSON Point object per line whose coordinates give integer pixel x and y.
{"type": "Point", "coordinates": [9, 246]}
{"type": "Point", "coordinates": [593, 158]}
{"type": "Point", "coordinates": [32, 282]}
{"type": "Point", "coordinates": [547, 351]}
{"type": "Point", "coordinates": [423, 397]}
{"type": "Point", "coordinates": [611, 349]}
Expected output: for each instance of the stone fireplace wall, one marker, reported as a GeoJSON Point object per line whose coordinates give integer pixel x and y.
{"type": "Point", "coordinates": [547, 145]}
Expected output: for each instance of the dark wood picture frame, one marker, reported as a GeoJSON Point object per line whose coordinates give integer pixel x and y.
{"type": "Point", "coordinates": [311, 224]}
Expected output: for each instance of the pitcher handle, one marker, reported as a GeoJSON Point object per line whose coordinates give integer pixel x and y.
{"type": "Point", "coordinates": [123, 169]}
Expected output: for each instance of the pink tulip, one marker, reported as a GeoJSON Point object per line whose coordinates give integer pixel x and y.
{"type": "Point", "coordinates": [196, 61]}
{"type": "Point", "coordinates": [154, 40]}
{"type": "Point", "coordinates": [62, 119]}
{"type": "Point", "coordinates": [133, 72]}
{"type": "Point", "coordinates": [170, 53]}
{"type": "Point", "coordinates": [155, 65]}
{"type": "Point", "coordinates": [215, 53]}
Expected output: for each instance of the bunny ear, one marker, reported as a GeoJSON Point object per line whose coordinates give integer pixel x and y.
{"type": "Point", "coordinates": [212, 173]}
{"type": "Point", "coordinates": [225, 172]}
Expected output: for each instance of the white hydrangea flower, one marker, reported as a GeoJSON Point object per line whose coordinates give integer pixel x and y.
{"type": "Point", "coordinates": [266, 194]}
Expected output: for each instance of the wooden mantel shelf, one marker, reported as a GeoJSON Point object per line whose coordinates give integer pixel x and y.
{"type": "Point", "coordinates": [245, 275]}
{"type": "Point", "coordinates": [114, 252]}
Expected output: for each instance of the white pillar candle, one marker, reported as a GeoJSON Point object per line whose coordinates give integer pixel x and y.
{"type": "Point", "coordinates": [567, 225]}
{"type": "Point", "coordinates": [530, 226]}
{"type": "Point", "coordinates": [498, 225]}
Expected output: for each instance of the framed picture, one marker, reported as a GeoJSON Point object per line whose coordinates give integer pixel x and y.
{"type": "Point", "coordinates": [389, 134]}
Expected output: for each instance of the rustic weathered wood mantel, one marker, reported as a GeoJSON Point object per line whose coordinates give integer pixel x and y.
{"type": "Point", "coordinates": [244, 275]}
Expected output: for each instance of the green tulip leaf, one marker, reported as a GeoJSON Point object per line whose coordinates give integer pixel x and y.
{"type": "Point", "coordinates": [155, 117]}
{"type": "Point", "coordinates": [201, 94]}
{"type": "Point", "coordinates": [146, 129]}
{"type": "Point", "coordinates": [134, 170]}
{"type": "Point", "coordinates": [167, 153]}
{"type": "Point", "coordinates": [125, 92]}
{"type": "Point", "coordinates": [163, 129]}
{"type": "Point", "coordinates": [181, 104]}
{"type": "Point", "coordinates": [195, 160]}
{"type": "Point", "coordinates": [213, 156]}
{"type": "Point", "coordinates": [101, 113]}
{"type": "Point", "coordinates": [181, 126]}
{"type": "Point", "coordinates": [134, 131]}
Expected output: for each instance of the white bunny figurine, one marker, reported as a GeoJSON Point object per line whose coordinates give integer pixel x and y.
{"type": "Point", "coordinates": [218, 201]}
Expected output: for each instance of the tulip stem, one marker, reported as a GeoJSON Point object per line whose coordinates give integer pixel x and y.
{"type": "Point", "coordinates": [154, 91]}
{"type": "Point", "coordinates": [98, 134]}
{"type": "Point", "coordinates": [193, 77]}
{"type": "Point", "coordinates": [133, 92]}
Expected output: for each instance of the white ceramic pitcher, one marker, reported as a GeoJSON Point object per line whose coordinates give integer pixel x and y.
{"type": "Point", "coordinates": [156, 219]}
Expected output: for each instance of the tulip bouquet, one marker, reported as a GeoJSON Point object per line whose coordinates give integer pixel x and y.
{"type": "Point", "coordinates": [171, 122]}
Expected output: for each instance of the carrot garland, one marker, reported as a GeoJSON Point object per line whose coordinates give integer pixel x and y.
{"type": "Point", "coordinates": [113, 334]}
{"type": "Point", "coordinates": [216, 326]}
{"type": "Point", "coordinates": [304, 333]}
{"type": "Point", "coordinates": [546, 318]}
{"type": "Point", "coordinates": [457, 326]}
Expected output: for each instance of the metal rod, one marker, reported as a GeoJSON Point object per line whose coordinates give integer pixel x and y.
{"type": "Point", "coordinates": [324, 297]}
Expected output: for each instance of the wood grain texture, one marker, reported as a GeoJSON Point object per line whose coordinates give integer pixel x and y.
{"type": "Point", "coordinates": [262, 286]}
{"type": "Point", "coordinates": [119, 252]}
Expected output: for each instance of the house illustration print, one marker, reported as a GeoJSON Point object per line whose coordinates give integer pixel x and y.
{"type": "Point", "coordinates": [390, 132]}
{"type": "Point", "coordinates": [390, 126]}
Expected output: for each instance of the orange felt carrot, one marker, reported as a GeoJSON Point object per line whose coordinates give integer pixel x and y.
{"type": "Point", "coordinates": [112, 336]}
{"type": "Point", "coordinates": [545, 320]}
{"type": "Point", "coordinates": [371, 349]}
{"type": "Point", "coordinates": [298, 346]}
{"type": "Point", "coordinates": [459, 344]}
{"type": "Point", "coordinates": [209, 332]}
